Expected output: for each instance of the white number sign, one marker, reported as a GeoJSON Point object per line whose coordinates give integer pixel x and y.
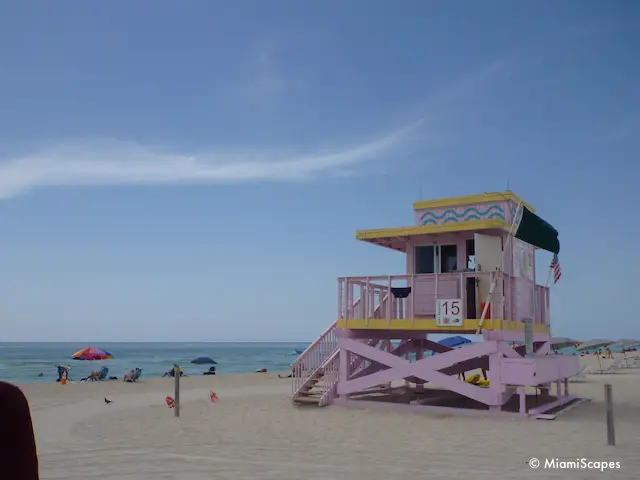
{"type": "Point", "coordinates": [449, 312]}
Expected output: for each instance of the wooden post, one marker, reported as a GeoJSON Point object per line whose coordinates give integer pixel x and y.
{"type": "Point", "coordinates": [176, 393]}
{"type": "Point", "coordinates": [608, 400]}
{"type": "Point", "coordinates": [528, 336]}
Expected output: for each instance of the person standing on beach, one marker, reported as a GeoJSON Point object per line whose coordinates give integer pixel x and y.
{"type": "Point", "coordinates": [18, 456]}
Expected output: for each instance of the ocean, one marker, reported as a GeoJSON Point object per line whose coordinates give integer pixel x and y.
{"type": "Point", "coordinates": [24, 362]}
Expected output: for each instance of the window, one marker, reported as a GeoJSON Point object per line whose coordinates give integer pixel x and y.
{"type": "Point", "coordinates": [448, 258]}
{"type": "Point", "coordinates": [471, 254]}
{"type": "Point", "coordinates": [424, 259]}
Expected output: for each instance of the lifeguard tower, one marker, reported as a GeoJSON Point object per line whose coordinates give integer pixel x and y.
{"type": "Point", "coordinates": [470, 271]}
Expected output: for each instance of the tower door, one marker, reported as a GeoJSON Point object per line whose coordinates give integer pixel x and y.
{"type": "Point", "coordinates": [488, 257]}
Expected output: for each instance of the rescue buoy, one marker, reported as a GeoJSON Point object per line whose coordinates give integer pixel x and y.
{"type": "Point", "coordinates": [213, 396]}
{"type": "Point", "coordinates": [171, 403]}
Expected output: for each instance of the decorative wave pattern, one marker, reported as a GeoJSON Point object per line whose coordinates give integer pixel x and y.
{"type": "Point", "coordinates": [451, 215]}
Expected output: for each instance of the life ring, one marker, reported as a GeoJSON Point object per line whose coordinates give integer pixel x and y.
{"type": "Point", "coordinates": [213, 396]}
{"type": "Point", "coordinates": [171, 403]}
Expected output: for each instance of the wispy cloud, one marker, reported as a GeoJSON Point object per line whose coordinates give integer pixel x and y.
{"type": "Point", "coordinates": [93, 162]}
{"type": "Point", "coordinates": [265, 79]}
{"type": "Point", "coordinates": [111, 162]}
{"type": "Point", "coordinates": [459, 93]}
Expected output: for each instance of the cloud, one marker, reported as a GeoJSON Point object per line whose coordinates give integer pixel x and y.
{"type": "Point", "coordinates": [94, 162]}
{"type": "Point", "coordinates": [265, 80]}
{"type": "Point", "coordinates": [112, 162]}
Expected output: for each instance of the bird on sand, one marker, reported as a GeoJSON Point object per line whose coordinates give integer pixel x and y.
{"type": "Point", "coordinates": [107, 401]}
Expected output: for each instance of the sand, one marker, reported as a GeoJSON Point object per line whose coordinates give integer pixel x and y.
{"type": "Point", "coordinates": [255, 433]}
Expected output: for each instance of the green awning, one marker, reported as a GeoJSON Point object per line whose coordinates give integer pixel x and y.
{"type": "Point", "coordinates": [532, 229]}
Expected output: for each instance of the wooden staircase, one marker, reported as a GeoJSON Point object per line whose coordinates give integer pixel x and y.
{"type": "Point", "coordinates": [316, 370]}
{"type": "Point", "coordinates": [312, 390]}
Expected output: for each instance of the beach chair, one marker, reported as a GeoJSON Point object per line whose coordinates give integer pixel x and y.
{"type": "Point", "coordinates": [632, 362]}
{"type": "Point", "coordinates": [132, 376]}
{"type": "Point", "coordinates": [104, 371]}
{"type": "Point", "coordinates": [617, 364]}
{"type": "Point", "coordinates": [97, 375]}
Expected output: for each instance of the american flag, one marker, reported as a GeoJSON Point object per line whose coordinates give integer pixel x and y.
{"type": "Point", "coordinates": [555, 267]}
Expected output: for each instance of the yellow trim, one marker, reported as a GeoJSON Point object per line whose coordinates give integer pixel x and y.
{"type": "Point", "coordinates": [470, 199]}
{"type": "Point", "coordinates": [431, 229]}
{"type": "Point", "coordinates": [469, 325]}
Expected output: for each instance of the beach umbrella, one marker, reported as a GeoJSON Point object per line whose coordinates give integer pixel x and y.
{"type": "Point", "coordinates": [453, 342]}
{"type": "Point", "coordinates": [595, 344]}
{"type": "Point", "coordinates": [204, 361]}
{"type": "Point", "coordinates": [91, 353]}
{"type": "Point", "coordinates": [558, 343]}
{"type": "Point", "coordinates": [624, 344]}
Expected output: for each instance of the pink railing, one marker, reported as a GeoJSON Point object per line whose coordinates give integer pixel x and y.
{"type": "Point", "coordinates": [323, 354]}
{"type": "Point", "coordinates": [376, 298]}
{"type": "Point", "coordinates": [330, 380]}
{"type": "Point", "coordinates": [372, 297]}
{"type": "Point", "coordinates": [314, 358]}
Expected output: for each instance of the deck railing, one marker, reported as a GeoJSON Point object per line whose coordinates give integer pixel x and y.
{"type": "Point", "coordinates": [373, 297]}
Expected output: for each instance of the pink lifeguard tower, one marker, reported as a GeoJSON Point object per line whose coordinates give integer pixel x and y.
{"type": "Point", "coordinates": [470, 271]}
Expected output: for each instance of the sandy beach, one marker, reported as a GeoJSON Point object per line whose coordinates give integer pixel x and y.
{"type": "Point", "coordinates": [254, 432]}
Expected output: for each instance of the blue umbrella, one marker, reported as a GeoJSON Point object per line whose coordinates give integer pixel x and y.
{"type": "Point", "coordinates": [453, 342]}
{"type": "Point", "coordinates": [204, 361]}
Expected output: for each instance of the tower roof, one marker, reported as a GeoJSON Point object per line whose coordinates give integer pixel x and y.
{"type": "Point", "coordinates": [471, 199]}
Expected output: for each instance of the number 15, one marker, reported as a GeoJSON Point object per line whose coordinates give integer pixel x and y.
{"type": "Point", "coordinates": [451, 308]}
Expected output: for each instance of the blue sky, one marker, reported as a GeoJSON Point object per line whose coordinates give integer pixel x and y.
{"type": "Point", "coordinates": [197, 170]}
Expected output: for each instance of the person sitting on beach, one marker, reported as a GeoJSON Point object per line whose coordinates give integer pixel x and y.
{"type": "Point", "coordinates": [130, 376]}
{"type": "Point", "coordinates": [171, 373]}
{"type": "Point", "coordinates": [212, 371]}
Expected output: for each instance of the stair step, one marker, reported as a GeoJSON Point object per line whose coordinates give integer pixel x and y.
{"type": "Point", "coordinates": [313, 385]}
{"type": "Point", "coordinates": [307, 393]}
{"type": "Point", "coordinates": [312, 382]}
{"type": "Point", "coordinates": [315, 400]}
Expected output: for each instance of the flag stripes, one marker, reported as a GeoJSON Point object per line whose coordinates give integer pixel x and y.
{"type": "Point", "coordinates": [555, 268]}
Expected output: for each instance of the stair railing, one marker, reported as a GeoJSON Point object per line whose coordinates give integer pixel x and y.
{"type": "Point", "coordinates": [330, 381]}
{"type": "Point", "coordinates": [322, 354]}
{"type": "Point", "coordinates": [311, 360]}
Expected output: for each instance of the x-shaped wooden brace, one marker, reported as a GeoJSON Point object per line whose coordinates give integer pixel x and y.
{"type": "Point", "coordinates": [425, 369]}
